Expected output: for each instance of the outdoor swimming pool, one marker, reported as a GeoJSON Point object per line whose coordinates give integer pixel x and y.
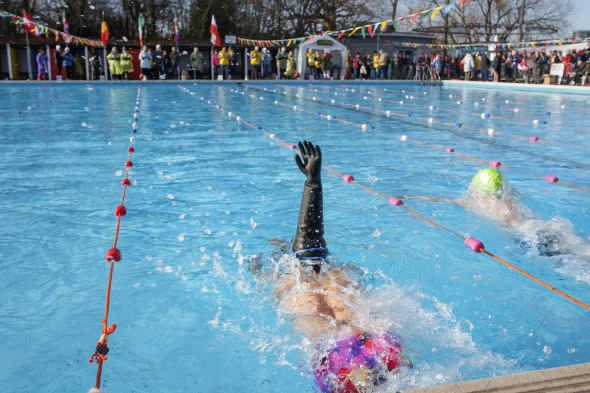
{"type": "Point", "coordinates": [209, 191]}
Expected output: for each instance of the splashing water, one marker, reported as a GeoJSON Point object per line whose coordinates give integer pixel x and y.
{"type": "Point", "coordinates": [555, 238]}
{"type": "Point", "coordinates": [379, 305]}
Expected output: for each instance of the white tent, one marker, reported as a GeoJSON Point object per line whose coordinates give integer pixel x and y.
{"type": "Point", "coordinates": [321, 44]}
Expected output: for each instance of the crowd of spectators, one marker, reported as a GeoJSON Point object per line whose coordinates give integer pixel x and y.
{"type": "Point", "coordinates": [159, 63]}
{"type": "Point", "coordinates": [499, 66]}
{"type": "Point", "coordinates": [317, 65]}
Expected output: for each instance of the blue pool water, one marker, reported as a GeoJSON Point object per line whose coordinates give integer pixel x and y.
{"type": "Point", "coordinates": [209, 192]}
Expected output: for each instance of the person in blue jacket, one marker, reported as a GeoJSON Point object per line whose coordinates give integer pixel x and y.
{"type": "Point", "coordinates": [68, 62]}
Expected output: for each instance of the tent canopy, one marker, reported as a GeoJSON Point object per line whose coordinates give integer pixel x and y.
{"type": "Point", "coordinates": [321, 44]}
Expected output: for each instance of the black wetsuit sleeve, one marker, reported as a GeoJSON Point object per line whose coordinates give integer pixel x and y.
{"type": "Point", "coordinates": [309, 239]}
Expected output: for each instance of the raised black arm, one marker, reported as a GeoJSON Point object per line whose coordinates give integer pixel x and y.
{"type": "Point", "coordinates": [309, 244]}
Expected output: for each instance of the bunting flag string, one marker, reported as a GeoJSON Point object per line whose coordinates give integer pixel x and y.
{"type": "Point", "coordinates": [434, 13]}
{"type": "Point", "coordinates": [39, 29]}
{"type": "Point", "coordinates": [372, 28]}
{"type": "Point", "coordinates": [495, 45]}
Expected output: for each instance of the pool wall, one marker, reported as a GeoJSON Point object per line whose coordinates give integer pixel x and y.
{"type": "Point", "coordinates": [576, 90]}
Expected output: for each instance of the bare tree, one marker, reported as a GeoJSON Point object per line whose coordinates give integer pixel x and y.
{"type": "Point", "coordinates": [394, 4]}
{"type": "Point", "coordinates": [493, 20]}
{"type": "Point", "coordinates": [475, 21]}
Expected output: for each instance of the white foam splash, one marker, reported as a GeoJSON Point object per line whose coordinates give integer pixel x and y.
{"type": "Point", "coordinates": [555, 238]}
{"type": "Point", "coordinates": [423, 322]}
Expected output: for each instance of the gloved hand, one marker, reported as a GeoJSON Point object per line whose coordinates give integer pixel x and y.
{"type": "Point", "coordinates": [311, 166]}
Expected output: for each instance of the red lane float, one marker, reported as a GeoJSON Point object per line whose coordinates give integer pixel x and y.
{"type": "Point", "coordinates": [114, 255]}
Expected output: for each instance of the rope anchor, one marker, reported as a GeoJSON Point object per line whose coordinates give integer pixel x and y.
{"type": "Point", "coordinates": [101, 346]}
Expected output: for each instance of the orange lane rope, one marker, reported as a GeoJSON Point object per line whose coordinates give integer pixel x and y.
{"type": "Point", "coordinates": [548, 178]}
{"type": "Point", "coordinates": [113, 254]}
{"type": "Point", "coordinates": [472, 243]}
{"type": "Point", "coordinates": [565, 295]}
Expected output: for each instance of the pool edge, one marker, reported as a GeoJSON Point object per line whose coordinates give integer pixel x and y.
{"type": "Point", "coordinates": [576, 90]}
{"type": "Point", "coordinates": [575, 378]}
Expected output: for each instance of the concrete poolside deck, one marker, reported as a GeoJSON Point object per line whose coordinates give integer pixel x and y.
{"type": "Point", "coordinates": [569, 379]}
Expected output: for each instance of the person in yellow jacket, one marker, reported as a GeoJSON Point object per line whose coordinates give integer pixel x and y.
{"type": "Point", "coordinates": [375, 65]}
{"type": "Point", "coordinates": [310, 62]}
{"type": "Point", "coordinates": [114, 63]}
{"type": "Point", "coordinates": [126, 63]}
{"type": "Point", "coordinates": [318, 64]}
{"type": "Point", "coordinates": [224, 57]}
{"type": "Point", "coordinates": [281, 61]}
{"type": "Point", "coordinates": [291, 71]}
{"type": "Point", "coordinates": [477, 65]}
{"type": "Point", "coordinates": [255, 63]}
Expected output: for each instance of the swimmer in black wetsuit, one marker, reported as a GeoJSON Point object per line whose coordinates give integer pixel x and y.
{"type": "Point", "coordinates": [323, 301]}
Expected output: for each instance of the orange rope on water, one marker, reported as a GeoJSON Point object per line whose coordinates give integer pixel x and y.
{"type": "Point", "coordinates": [349, 179]}
{"type": "Point", "coordinates": [565, 295]}
{"type": "Point", "coordinates": [113, 254]}
{"type": "Point", "coordinates": [416, 141]}
{"type": "Point", "coordinates": [475, 158]}
{"type": "Point", "coordinates": [571, 185]}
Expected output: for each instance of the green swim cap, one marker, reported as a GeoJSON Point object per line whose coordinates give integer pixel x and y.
{"type": "Point", "coordinates": [488, 180]}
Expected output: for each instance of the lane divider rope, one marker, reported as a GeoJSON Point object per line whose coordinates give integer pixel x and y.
{"type": "Point", "coordinates": [470, 242]}
{"type": "Point", "coordinates": [476, 103]}
{"type": "Point", "coordinates": [506, 101]}
{"type": "Point", "coordinates": [482, 115]}
{"type": "Point", "coordinates": [496, 164]}
{"type": "Point", "coordinates": [114, 255]}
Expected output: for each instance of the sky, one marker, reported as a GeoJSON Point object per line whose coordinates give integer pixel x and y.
{"type": "Point", "coordinates": [580, 19]}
